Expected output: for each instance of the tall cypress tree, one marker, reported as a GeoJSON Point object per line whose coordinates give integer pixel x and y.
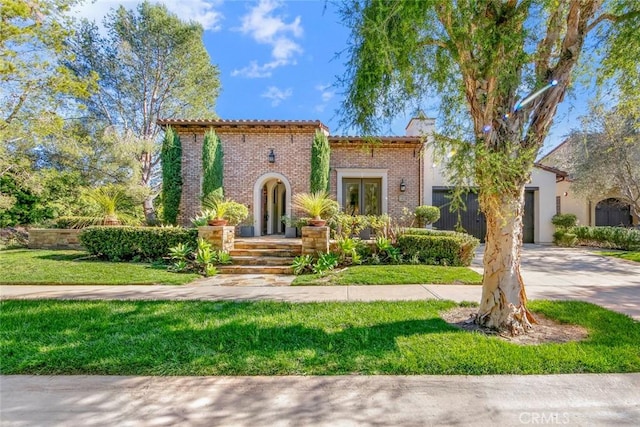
{"type": "Point", "coordinates": [320, 156]}
{"type": "Point", "coordinates": [212, 165]}
{"type": "Point", "coordinates": [171, 157]}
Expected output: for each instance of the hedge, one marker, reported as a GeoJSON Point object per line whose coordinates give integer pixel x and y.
{"type": "Point", "coordinates": [438, 247]}
{"type": "Point", "coordinates": [627, 239]}
{"type": "Point", "coordinates": [135, 243]}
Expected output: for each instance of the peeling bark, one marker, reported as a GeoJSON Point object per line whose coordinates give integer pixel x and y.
{"type": "Point", "coordinates": [504, 302]}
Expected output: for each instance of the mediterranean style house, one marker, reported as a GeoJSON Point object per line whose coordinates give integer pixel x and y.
{"type": "Point", "coordinates": [266, 162]}
{"type": "Point", "coordinates": [607, 210]}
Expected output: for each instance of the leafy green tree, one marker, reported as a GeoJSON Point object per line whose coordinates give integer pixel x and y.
{"type": "Point", "coordinates": [171, 156]}
{"type": "Point", "coordinates": [320, 155]}
{"type": "Point", "coordinates": [212, 165]}
{"type": "Point", "coordinates": [604, 159]}
{"type": "Point", "coordinates": [32, 86]}
{"type": "Point", "coordinates": [480, 56]}
{"type": "Point", "coordinates": [151, 65]}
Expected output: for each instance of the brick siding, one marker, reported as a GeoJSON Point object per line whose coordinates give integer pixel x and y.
{"type": "Point", "coordinates": [246, 148]}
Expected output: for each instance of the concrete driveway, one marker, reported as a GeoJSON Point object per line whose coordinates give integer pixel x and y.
{"type": "Point", "coordinates": [581, 274]}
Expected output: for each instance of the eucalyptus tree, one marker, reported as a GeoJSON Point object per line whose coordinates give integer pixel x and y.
{"type": "Point", "coordinates": [482, 57]}
{"type": "Point", "coordinates": [150, 65]}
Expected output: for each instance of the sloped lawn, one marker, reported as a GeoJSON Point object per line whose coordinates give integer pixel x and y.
{"type": "Point", "coordinates": [64, 267]}
{"type": "Point", "coordinates": [46, 337]}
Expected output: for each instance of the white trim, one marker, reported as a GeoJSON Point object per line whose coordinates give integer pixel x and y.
{"type": "Point", "coordinates": [364, 173]}
{"type": "Point", "coordinates": [257, 200]}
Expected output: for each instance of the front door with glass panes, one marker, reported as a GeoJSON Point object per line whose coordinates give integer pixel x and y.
{"type": "Point", "coordinates": [362, 196]}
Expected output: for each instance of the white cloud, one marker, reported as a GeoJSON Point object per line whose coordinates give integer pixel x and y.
{"type": "Point", "coordinates": [276, 95]}
{"type": "Point", "coordinates": [265, 27]}
{"type": "Point", "coordinates": [255, 71]}
{"type": "Point", "coordinates": [326, 95]}
{"type": "Point", "coordinates": [202, 11]}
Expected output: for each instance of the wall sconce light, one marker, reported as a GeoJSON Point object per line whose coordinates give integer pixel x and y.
{"type": "Point", "coordinates": [403, 186]}
{"type": "Point", "coordinates": [271, 156]}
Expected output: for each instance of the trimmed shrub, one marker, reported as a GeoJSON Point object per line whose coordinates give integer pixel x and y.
{"type": "Point", "coordinates": [171, 159]}
{"type": "Point", "coordinates": [320, 155]}
{"type": "Point", "coordinates": [426, 214]}
{"type": "Point", "coordinates": [438, 247]}
{"type": "Point", "coordinates": [627, 239]}
{"type": "Point", "coordinates": [212, 165]}
{"type": "Point", "coordinates": [564, 221]}
{"type": "Point", "coordinates": [135, 243]}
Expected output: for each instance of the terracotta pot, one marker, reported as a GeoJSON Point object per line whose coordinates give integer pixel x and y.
{"type": "Point", "coordinates": [317, 222]}
{"type": "Point", "coordinates": [217, 222]}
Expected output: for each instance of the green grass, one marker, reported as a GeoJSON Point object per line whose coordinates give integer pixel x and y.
{"type": "Point", "coordinates": [629, 255]}
{"type": "Point", "coordinates": [44, 267]}
{"type": "Point", "coordinates": [46, 337]}
{"type": "Point", "coordinates": [393, 275]}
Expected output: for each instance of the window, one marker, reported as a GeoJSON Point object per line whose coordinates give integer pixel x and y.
{"type": "Point", "coordinates": [362, 196]}
{"type": "Point", "coordinates": [558, 204]}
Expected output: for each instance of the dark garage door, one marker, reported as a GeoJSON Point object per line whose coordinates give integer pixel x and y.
{"type": "Point", "coordinates": [613, 212]}
{"type": "Point", "coordinates": [472, 220]}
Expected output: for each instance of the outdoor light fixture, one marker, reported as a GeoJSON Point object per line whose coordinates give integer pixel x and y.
{"type": "Point", "coordinates": [403, 186]}
{"type": "Point", "coordinates": [271, 156]}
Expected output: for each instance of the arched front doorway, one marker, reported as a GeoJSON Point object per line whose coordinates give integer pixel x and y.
{"type": "Point", "coordinates": [271, 201]}
{"type": "Point", "coordinates": [613, 212]}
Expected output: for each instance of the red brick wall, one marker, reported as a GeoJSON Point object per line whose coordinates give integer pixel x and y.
{"type": "Point", "coordinates": [402, 161]}
{"type": "Point", "coordinates": [245, 153]}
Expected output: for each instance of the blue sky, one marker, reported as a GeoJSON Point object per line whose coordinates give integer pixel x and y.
{"type": "Point", "coordinates": [277, 60]}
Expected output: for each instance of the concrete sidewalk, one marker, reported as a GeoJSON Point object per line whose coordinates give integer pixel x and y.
{"type": "Point", "coordinates": [599, 400]}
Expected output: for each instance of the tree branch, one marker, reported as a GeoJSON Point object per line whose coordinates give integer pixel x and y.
{"type": "Point", "coordinates": [612, 18]}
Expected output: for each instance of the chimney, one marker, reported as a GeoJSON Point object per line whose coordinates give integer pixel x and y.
{"type": "Point", "coordinates": [421, 125]}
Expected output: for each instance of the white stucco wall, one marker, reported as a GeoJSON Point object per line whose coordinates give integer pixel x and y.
{"type": "Point", "coordinates": [570, 203]}
{"type": "Point", "coordinates": [545, 204]}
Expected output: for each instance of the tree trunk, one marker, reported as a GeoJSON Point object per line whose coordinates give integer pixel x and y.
{"type": "Point", "coordinates": [149, 211]}
{"type": "Point", "coordinates": [503, 305]}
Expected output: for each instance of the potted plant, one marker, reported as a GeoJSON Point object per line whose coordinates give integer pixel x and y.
{"type": "Point", "coordinates": [223, 212]}
{"type": "Point", "coordinates": [216, 214]}
{"type": "Point", "coordinates": [290, 230]}
{"type": "Point", "coordinates": [246, 227]}
{"type": "Point", "coordinates": [317, 205]}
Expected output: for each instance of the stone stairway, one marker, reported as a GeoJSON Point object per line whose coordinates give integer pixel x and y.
{"type": "Point", "coordinates": [267, 255]}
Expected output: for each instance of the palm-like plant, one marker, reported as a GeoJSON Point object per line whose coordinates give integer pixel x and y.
{"type": "Point", "coordinates": [109, 206]}
{"type": "Point", "coordinates": [316, 205]}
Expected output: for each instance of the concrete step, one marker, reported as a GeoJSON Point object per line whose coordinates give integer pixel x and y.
{"type": "Point", "coordinates": [265, 260]}
{"type": "Point", "coordinates": [265, 244]}
{"type": "Point", "coordinates": [287, 253]}
{"type": "Point", "coordinates": [255, 269]}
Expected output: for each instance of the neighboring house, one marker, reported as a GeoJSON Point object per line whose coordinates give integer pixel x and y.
{"type": "Point", "coordinates": [607, 210]}
{"type": "Point", "coordinates": [266, 162]}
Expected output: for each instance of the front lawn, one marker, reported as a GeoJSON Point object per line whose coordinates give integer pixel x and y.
{"type": "Point", "coordinates": [629, 255]}
{"type": "Point", "coordinates": [393, 275]}
{"type": "Point", "coordinates": [46, 267]}
{"type": "Point", "coordinates": [46, 337]}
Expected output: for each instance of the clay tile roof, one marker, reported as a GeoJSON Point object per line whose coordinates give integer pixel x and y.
{"type": "Point", "coordinates": [242, 123]}
{"type": "Point", "coordinates": [375, 139]}
{"type": "Point", "coordinates": [560, 174]}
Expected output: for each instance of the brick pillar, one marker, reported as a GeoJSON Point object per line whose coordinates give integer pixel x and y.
{"type": "Point", "coordinates": [314, 240]}
{"type": "Point", "coordinates": [220, 237]}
